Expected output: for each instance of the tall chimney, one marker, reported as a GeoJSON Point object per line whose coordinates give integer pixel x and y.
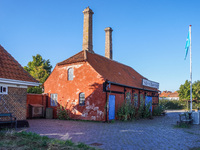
{"type": "Point", "coordinates": [108, 43]}
{"type": "Point", "coordinates": [87, 30]}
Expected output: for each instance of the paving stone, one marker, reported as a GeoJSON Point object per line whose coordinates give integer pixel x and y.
{"type": "Point", "coordinates": [158, 133]}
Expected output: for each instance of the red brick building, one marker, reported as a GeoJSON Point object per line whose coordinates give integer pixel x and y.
{"type": "Point", "coordinates": [87, 82]}
{"type": "Point", "coordinates": [14, 81]}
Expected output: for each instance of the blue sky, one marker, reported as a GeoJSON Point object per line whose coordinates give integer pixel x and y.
{"type": "Point", "coordinates": [149, 35]}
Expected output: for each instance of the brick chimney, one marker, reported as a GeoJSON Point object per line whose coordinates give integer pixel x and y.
{"type": "Point", "coordinates": [108, 43]}
{"type": "Point", "coordinates": [87, 30]}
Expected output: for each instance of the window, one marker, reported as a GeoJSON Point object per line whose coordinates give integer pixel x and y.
{"type": "Point", "coordinates": [136, 100]}
{"type": "Point", "coordinates": [82, 99]}
{"type": "Point", "coordinates": [128, 98]}
{"type": "Point", "coordinates": [54, 99]}
{"type": "Point", "coordinates": [70, 73]}
{"type": "Point", "coordinates": [3, 90]}
{"type": "Point", "coordinates": [141, 100]}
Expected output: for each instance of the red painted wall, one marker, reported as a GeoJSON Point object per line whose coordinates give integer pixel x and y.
{"type": "Point", "coordinates": [86, 80]}
{"type": "Point", "coordinates": [35, 99]}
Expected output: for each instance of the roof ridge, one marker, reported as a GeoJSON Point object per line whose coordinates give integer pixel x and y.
{"type": "Point", "coordinates": [116, 62]}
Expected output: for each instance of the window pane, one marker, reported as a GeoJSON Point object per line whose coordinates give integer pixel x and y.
{"type": "Point", "coordinates": [141, 99]}
{"type": "Point", "coordinates": [53, 99]}
{"type": "Point", "coordinates": [4, 89]}
{"type": "Point", "coordinates": [82, 99]}
{"type": "Point", "coordinates": [70, 74]}
{"type": "Point", "coordinates": [128, 97]}
{"type": "Point", "coordinates": [136, 100]}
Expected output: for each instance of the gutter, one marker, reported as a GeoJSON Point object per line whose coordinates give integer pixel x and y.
{"type": "Point", "coordinates": [132, 87]}
{"type": "Point", "coordinates": [19, 82]}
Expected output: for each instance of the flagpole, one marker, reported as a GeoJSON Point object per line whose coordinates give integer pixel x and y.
{"type": "Point", "coordinates": [190, 69]}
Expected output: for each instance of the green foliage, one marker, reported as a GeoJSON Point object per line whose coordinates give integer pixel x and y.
{"type": "Point", "coordinates": [147, 112]}
{"type": "Point", "coordinates": [29, 140]}
{"type": "Point", "coordinates": [184, 90]}
{"type": "Point", "coordinates": [126, 112]}
{"type": "Point", "coordinates": [40, 69]}
{"type": "Point", "coordinates": [182, 125]}
{"type": "Point", "coordinates": [83, 146]}
{"type": "Point", "coordinates": [158, 110]}
{"type": "Point", "coordinates": [140, 112]}
{"type": "Point", "coordinates": [62, 113]}
{"type": "Point", "coordinates": [35, 90]}
{"type": "Point", "coordinates": [172, 104]}
{"type": "Point", "coordinates": [175, 104]}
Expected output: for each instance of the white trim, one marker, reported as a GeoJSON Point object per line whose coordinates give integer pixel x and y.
{"type": "Point", "coordinates": [18, 82]}
{"type": "Point", "coordinates": [14, 85]}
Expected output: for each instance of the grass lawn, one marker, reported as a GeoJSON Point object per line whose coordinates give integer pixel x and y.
{"type": "Point", "coordinates": [10, 140]}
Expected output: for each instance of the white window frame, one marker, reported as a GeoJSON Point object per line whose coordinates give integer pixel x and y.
{"type": "Point", "coordinates": [1, 89]}
{"type": "Point", "coordinates": [54, 99]}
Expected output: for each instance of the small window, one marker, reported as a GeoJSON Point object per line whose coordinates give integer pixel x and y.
{"type": "Point", "coordinates": [3, 90]}
{"type": "Point", "coordinates": [136, 100]}
{"type": "Point", "coordinates": [82, 99]}
{"type": "Point", "coordinates": [141, 100]}
{"type": "Point", "coordinates": [54, 99]}
{"type": "Point", "coordinates": [70, 73]}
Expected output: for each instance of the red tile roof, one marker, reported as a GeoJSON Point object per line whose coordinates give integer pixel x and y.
{"type": "Point", "coordinates": [11, 69]}
{"type": "Point", "coordinates": [76, 58]}
{"type": "Point", "coordinates": [109, 69]}
{"type": "Point", "coordinates": [169, 94]}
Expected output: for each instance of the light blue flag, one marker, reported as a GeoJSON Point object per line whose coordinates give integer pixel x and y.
{"type": "Point", "coordinates": [187, 46]}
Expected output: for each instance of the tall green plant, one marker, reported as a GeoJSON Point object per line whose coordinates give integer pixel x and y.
{"type": "Point", "coordinates": [158, 110]}
{"type": "Point", "coordinates": [147, 111]}
{"type": "Point", "coordinates": [126, 112]}
{"type": "Point", "coordinates": [62, 113]}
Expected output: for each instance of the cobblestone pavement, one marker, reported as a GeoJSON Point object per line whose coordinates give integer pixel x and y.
{"type": "Point", "coordinates": [158, 133]}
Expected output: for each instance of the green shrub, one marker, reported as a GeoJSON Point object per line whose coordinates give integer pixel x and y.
{"type": "Point", "coordinates": [158, 110]}
{"type": "Point", "coordinates": [126, 112]}
{"type": "Point", "coordinates": [173, 104]}
{"type": "Point", "coordinates": [147, 111]}
{"type": "Point", "coordinates": [62, 113]}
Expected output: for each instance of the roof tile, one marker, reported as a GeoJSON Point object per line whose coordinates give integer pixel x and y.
{"type": "Point", "coordinates": [11, 69]}
{"type": "Point", "coordinates": [109, 69]}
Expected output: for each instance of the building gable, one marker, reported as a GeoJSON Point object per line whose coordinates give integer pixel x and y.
{"type": "Point", "coordinates": [12, 72]}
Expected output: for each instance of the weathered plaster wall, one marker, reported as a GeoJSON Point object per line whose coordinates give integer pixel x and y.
{"type": "Point", "coordinates": [86, 80]}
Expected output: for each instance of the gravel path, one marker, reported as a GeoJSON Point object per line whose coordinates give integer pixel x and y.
{"type": "Point", "coordinates": [158, 133]}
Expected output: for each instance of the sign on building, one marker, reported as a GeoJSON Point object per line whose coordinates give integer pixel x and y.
{"type": "Point", "coordinates": [151, 84]}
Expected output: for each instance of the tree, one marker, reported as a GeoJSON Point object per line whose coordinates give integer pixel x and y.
{"type": "Point", "coordinates": [184, 90]}
{"type": "Point", "coordinates": [40, 69]}
{"type": "Point", "coordinates": [196, 90]}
